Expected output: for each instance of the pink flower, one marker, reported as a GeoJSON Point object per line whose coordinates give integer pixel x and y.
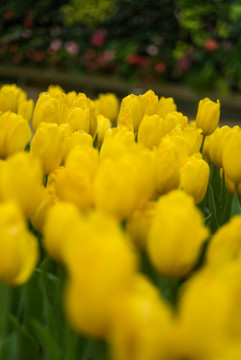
{"type": "Point", "coordinates": [185, 62]}
{"type": "Point", "coordinates": [152, 50]}
{"type": "Point", "coordinates": [55, 45]}
{"type": "Point", "coordinates": [109, 55]}
{"type": "Point", "coordinates": [98, 38]}
{"type": "Point", "coordinates": [211, 45]}
{"type": "Point", "coordinates": [71, 47]}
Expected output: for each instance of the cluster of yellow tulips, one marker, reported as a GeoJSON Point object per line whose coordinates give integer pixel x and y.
{"type": "Point", "coordinates": [120, 229]}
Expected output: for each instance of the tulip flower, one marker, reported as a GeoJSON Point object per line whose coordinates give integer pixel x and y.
{"type": "Point", "coordinates": [176, 234]}
{"type": "Point", "coordinates": [208, 114]}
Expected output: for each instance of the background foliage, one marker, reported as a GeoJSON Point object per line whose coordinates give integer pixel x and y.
{"type": "Point", "coordinates": [197, 42]}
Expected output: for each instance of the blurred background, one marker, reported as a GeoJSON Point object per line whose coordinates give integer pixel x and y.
{"type": "Point", "coordinates": [185, 49]}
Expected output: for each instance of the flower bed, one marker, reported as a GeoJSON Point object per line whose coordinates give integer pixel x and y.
{"type": "Point", "coordinates": [151, 41]}
{"type": "Point", "coordinates": [119, 228]}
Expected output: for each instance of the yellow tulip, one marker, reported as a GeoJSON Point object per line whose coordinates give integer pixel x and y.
{"type": "Point", "coordinates": [194, 176]}
{"type": "Point", "coordinates": [167, 169]}
{"type": "Point", "coordinates": [15, 134]}
{"type": "Point", "coordinates": [11, 96]}
{"type": "Point", "coordinates": [48, 145]}
{"type": "Point", "coordinates": [150, 131]}
{"type": "Point", "coordinates": [18, 247]}
{"type": "Point", "coordinates": [231, 157]}
{"type": "Point", "coordinates": [225, 245]}
{"type": "Point", "coordinates": [101, 265]}
{"type": "Point", "coordinates": [103, 124]}
{"type": "Point", "coordinates": [79, 119]}
{"type": "Point", "coordinates": [208, 114]}
{"type": "Point", "coordinates": [231, 186]}
{"type": "Point", "coordinates": [135, 106]}
{"type": "Point", "coordinates": [176, 234]}
{"type": "Point", "coordinates": [108, 106]}
{"type": "Point", "coordinates": [116, 142]}
{"type": "Point", "coordinates": [151, 102]}
{"type": "Point", "coordinates": [141, 324]}
{"type": "Point", "coordinates": [48, 109]}
{"type": "Point", "coordinates": [125, 183]}
{"type": "Point", "coordinates": [21, 181]}
{"type": "Point", "coordinates": [172, 119]}
{"type": "Point", "coordinates": [165, 106]}
{"type": "Point", "coordinates": [138, 224]}
{"type": "Point", "coordinates": [25, 108]}
{"type": "Point", "coordinates": [62, 217]}
{"type": "Point", "coordinates": [213, 299]}
{"type": "Point", "coordinates": [77, 138]}
{"type": "Point", "coordinates": [217, 143]}
{"type": "Point", "coordinates": [47, 200]}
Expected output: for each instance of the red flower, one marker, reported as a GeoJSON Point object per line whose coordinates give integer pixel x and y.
{"type": "Point", "coordinates": [28, 23]}
{"type": "Point", "coordinates": [98, 38]}
{"type": "Point", "coordinates": [8, 14]}
{"type": "Point", "coordinates": [90, 54]}
{"type": "Point", "coordinates": [160, 67]}
{"type": "Point", "coordinates": [132, 59]}
{"type": "Point", "coordinates": [211, 45]}
{"type": "Point", "coordinates": [38, 56]}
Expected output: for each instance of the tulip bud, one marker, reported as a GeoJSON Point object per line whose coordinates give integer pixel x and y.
{"type": "Point", "coordinates": [124, 184]}
{"type": "Point", "coordinates": [101, 265]}
{"type": "Point", "coordinates": [62, 217]}
{"type": "Point", "coordinates": [172, 119]}
{"type": "Point", "coordinates": [231, 157]}
{"type": "Point", "coordinates": [150, 131]}
{"type": "Point", "coordinates": [135, 105]}
{"type": "Point", "coordinates": [18, 247]}
{"type": "Point", "coordinates": [172, 252]}
{"type": "Point", "coordinates": [217, 142]}
{"type": "Point", "coordinates": [47, 200]}
{"type": "Point", "coordinates": [208, 114]}
{"type": "Point", "coordinates": [151, 102]}
{"type": "Point", "coordinates": [25, 109]}
{"type": "Point", "coordinates": [15, 134]}
{"type": "Point", "coordinates": [48, 145]}
{"type": "Point", "coordinates": [77, 138]}
{"type": "Point", "coordinates": [147, 320]}
{"type": "Point", "coordinates": [48, 109]}
{"type": "Point", "coordinates": [138, 224]}
{"type": "Point", "coordinates": [167, 169]}
{"type": "Point", "coordinates": [10, 97]}
{"type": "Point", "coordinates": [194, 177]}
{"type": "Point", "coordinates": [79, 119]}
{"type": "Point", "coordinates": [165, 106]}
{"type": "Point", "coordinates": [103, 124]}
{"type": "Point", "coordinates": [21, 181]}
{"type": "Point", "coordinates": [225, 245]}
{"type": "Point", "coordinates": [108, 106]}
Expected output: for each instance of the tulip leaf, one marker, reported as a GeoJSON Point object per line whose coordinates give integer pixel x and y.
{"type": "Point", "coordinates": [212, 207]}
{"type": "Point", "coordinates": [235, 206]}
{"type": "Point", "coordinates": [51, 348]}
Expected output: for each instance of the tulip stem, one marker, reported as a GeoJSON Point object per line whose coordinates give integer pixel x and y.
{"type": "Point", "coordinates": [5, 296]}
{"type": "Point", "coordinates": [201, 148]}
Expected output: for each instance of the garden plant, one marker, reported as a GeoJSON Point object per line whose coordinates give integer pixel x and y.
{"type": "Point", "coordinates": [120, 229]}
{"type": "Point", "coordinates": [194, 43]}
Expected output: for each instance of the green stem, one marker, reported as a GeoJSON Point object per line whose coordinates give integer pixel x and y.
{"type": "Point", "coordinates": [201, 148]}
{"type": "Point", "coordinates": [5, 298]}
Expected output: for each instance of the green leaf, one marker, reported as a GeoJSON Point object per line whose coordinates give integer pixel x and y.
{"type": "Point", "coordinates": [235, 206]}
{"type": "Point", "coordinates": [51, 348]}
